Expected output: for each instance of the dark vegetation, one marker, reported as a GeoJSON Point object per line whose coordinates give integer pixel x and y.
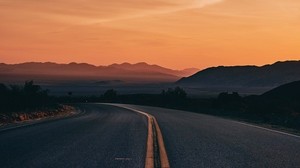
{"type": "Point", "coordinates": [29, 97]}
{"type": "Point", "coordinates": [280, 106]}
{"type": "Point", "coordinates": [30, 101]}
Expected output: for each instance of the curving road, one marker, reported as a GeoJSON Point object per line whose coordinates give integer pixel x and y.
{"type": "Point", "coordinates": [196, 140]}
{"type": "Point", "coordinates": [104, 136]}
{"type": "Point", "coordinates": [107, 136]}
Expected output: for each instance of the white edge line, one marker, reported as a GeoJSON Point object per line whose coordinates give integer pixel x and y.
{"type": "Point", "coordinates": [267, 129]}
{"type": "Point", "coordinates": [246, 124]}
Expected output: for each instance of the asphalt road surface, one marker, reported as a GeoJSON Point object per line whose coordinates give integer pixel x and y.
{"type": "Point", "coordinates": [195, 141]}
{"type": "Point", "coordinates": [104, 136]}
{"type": "Point", "coordinates": [107, 136]}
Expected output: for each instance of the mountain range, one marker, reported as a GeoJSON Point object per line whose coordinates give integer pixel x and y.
{"type": "Point", "coordinates": [244, 76]}
{"type": "Point", "coordinates": [126, 72]}
{"type": "Point", "coordinates": [243, 79]}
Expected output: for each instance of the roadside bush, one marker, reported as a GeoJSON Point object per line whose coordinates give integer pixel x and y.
{"type": "Point", "coordinates": [23, 98]}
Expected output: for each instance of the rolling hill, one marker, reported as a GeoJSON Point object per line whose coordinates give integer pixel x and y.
{"type": "Point", "coordinates": [289, 91]}
{"type": "Point", "coordinates": [128, 73]}
{"type": "Point", "coordinates": [268, 76]}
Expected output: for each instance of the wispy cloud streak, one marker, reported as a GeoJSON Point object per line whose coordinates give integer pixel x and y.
{"type": "Point", "coordinates": [165, 11]}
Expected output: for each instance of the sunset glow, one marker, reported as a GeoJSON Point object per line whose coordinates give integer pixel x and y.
{"type": "Point", "coordinates": [172, 33]}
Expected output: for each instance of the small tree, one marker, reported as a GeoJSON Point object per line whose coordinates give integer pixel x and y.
{"type": "Point", "coordinates": [174, 97]}
{"type": "Point", "coordinates": [31, 89]}
{"type": "Point", "coordinates": [3, 88]}
{"type": "Point", "coordinates": [70, 93]}
{"type": "Point", "coordinates": [177, 93]}
{"type": "Point", "coordinates": [232, 101]}
{"type": "Point", "coordinates": [110, 95]}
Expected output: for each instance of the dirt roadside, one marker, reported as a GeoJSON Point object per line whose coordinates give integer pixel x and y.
{"type": "Point", "coordinates": [25, 117]}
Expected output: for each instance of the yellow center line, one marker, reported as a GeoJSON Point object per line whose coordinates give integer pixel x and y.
{"type": "Point", "coordinates": [149, 161]}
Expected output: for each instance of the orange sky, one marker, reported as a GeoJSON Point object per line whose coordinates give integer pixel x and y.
{"type": "Point", "coordinates": [172, 33]}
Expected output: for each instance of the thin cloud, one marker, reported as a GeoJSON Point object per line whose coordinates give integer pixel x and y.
{"type": "Point", "coordinates": [85, 12]}
{"type": "Point", "coordinates": [167, 8]}
{"type": "Point", "coordinates": [196, 5]}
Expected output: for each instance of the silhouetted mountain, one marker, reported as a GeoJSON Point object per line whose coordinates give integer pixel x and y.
{"type": "Point", "coordinates": [144, 67]}
{"type": "Point", "coordinates": [140, 72]}
{"type": "Point", "coordinates": [290, 91]}
{"type": "Point", "coordinates": [245, 76]}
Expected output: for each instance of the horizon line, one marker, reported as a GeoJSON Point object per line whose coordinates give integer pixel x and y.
{"type": "Point", "coordinates": [150, 64]}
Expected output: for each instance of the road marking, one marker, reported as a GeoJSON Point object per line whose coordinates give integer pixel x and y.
{"type": "Point", "coordinates": [123, 159]}
{"type": "Point", "coordinates": [267, 129]}
{"type": "Point", "coordinates": [150, 160]}
{"type": "Point", "coordinates": [164, 161]}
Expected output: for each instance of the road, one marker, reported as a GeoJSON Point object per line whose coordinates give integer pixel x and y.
{"type": "Point", "coordinates": [104, 136]}
{"type": "Point", "coordinates": [195, 140]}
{"type": "Point", "coordinates": [107, 136]}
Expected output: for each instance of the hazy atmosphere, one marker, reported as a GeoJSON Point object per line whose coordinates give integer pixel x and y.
{"type": "Point", "coordinates": [150, 83]}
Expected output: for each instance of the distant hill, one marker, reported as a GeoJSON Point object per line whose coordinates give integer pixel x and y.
{"type": "Point", "coordinates": [129, 73]}
{"type": "Point", "coordinates": [290, 91]}
{"type": "Point", "coordinates": [245, 76]}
